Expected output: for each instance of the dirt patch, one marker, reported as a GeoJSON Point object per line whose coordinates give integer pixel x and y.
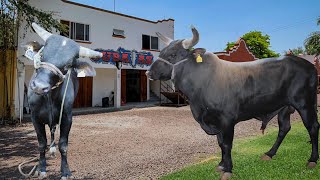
{"type": "Point", "coordinates": [134, 144]}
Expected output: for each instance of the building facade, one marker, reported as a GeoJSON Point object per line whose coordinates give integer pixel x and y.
{"type": "Point", "coordinates": [238, 53]}
{"type": "Point", "coordinates": [119, 37]}
{"type": "Point", "coordinates": [312, 59]}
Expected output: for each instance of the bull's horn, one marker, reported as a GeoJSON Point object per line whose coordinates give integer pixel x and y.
{"type": "Point", "coordinates": [41, 32]}
{"type": "Point", "coordinates": [189, 43]}
{"type": "Point", "coordinates": [163, 38]}
{"type": "Point", "coordinates": [85, 52]}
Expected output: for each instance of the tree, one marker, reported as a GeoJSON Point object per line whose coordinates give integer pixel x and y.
{"type": "Point", "coordinates": [296, 51]}
{"type": "Point", "coordinates": [230, 45]}
{"type": "Point", "coordinates": [312, 43]}
{"type": "Point", "coordinates": [14, 13]}
{"type": "Point", "coordinates": [257, 43]}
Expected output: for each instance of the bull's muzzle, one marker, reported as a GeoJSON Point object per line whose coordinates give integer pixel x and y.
{"type": "Point", "coordinates": [39, 87]}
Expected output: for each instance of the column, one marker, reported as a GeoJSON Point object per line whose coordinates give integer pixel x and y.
{"type": "Point", "coordinates": [148, 89]}
{"type": "Point", "coordinates": [117, 89]}
{"type": "Point", "coordinates": [19, 91]}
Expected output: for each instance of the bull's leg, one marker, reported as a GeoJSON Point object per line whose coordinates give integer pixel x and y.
{"type": "Point", "coordinates": [309, 118]}
{"type": "Point", "coordinates": [42, 140]}
{"type": "Point", "coordinates": [220, 167]}
{"type": "Point", "coordinates": [227, 135]}
{"type": "Point", "coordinates": [63, 144]}
{"type": "Point", "coordinates": [284, 128]}
{"type": "Point", "coordinates": [52, 143]}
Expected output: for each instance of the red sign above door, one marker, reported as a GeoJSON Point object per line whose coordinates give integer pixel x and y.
{"type": "Point", "coordinates": [127, 57]}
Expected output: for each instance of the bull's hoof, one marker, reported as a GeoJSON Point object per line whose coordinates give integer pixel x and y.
{"type": "Point", "coordinates": [36, 173]}
{"type": "Point", "coordinates": [219, 169]}
{"type": "Point", "coordinates": [265, 158]}
{"type": "Point", "coordinates": [311, 165]}
{"type": "Point", "coordinates": [67, 177]}
{"type": "Point", "coordinates": [226, 175]}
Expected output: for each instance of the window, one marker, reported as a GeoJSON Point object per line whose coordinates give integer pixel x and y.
{"type": "Point", "coordinates": [154, 43]}
{"type": "Point", "coordinates": [77, 31]}
{"type": "Point", "coordinates": [145, 42]}
{"type": "Point", "coordinates": [118, 32]}
{"type": "Point", "coordinates": [150, 42]}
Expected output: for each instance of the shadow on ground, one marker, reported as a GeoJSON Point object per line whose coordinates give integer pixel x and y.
{"type": "Point", "coordinates": [15, 143]}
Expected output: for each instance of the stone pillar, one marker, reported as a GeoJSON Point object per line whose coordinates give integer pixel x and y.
{"type": "Point", "coordinates": [148, 89]}
{"type": "Point", "coordinates": [19, 91]}
{"type": "Point", "coordinates": [117, 89]}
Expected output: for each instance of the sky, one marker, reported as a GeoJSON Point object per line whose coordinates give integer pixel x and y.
{"type": "Point", "coordinates": [287, 22]}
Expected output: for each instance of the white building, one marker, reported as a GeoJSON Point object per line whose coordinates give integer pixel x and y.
{"type": "Point", "coordinates": [121, 36]}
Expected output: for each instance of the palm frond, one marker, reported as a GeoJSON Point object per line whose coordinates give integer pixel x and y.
{"type": "Point", "coordinates": [312, 43]}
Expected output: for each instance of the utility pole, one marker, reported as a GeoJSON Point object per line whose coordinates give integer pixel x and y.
{"type": "Point", "coordinates": [114, 5]}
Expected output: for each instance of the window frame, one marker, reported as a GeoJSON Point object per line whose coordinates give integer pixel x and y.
{"type": "Point", "coordinates": [116, 35]}
{"type": "Point", "coordinates": [119, 30]}
{"type": "Point", "coordinates": [150, 42]}
{"type": "Point", "coordinates": [74, 31]}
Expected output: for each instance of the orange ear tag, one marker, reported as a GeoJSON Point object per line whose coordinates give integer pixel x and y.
{"type": "Point", "coordinates": [199, 59]}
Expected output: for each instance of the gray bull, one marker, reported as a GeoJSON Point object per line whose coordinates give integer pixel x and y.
{"type": "Point", "coordinates": [223, 93]}
{"type": "Point", "coordinates": [57, 58]}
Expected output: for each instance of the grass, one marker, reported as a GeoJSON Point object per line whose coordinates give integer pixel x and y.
{"type": "Point", "coordinates": [289, 163]}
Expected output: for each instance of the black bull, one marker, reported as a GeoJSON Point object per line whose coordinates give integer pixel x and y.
{"type": "Point", "coordinates": [223, 93]}
{"type": "Point", "coordinates": [46, 89]}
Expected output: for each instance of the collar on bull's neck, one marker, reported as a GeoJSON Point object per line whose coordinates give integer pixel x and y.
{"type": "Point", "coordinates": [173, 65]}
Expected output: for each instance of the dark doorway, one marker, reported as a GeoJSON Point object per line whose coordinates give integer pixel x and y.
{"type": "Point", "coordinates": [143, 86]}
{"type": "Point", "coordinates": [133, 86]}
{"type": "Point", "coordinates": [84, 97]}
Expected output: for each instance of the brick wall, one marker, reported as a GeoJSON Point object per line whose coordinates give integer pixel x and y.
{"type": "Point", "coordinates": [239, 53]}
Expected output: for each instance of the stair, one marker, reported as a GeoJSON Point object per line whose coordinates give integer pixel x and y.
{"type": "Point", "coordinates": [154, 97]}
{"type": "Point", "coordinates": [175, 97]}
{"type": "Point", "coordinates": [172, 97]}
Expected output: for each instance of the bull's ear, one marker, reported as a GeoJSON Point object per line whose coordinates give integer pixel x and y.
{"type": "Point", "coordinates": [198, 51]}
{"type": "Point", "coordinates": [31, 49]}
{"type": "Point", "coordinates": [33, 45]}
{"type": "Point", "coordinates": [84, 69]}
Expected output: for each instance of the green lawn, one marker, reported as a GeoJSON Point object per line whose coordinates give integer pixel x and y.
{"type": "Point", "coordinates": [289, 163]}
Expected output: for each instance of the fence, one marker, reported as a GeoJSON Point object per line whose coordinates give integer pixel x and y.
{"type": "Point", "coordinates": [7, 83]}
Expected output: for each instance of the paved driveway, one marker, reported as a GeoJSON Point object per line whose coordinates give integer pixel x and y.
{"type": "Point", "coordinates": [135, 144]}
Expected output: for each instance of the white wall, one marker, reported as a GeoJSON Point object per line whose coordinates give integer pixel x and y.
{"type": "Point", "coordinates": [103, 84]}
{"type": "Point", "coordinates": [155, 87]}
{"type": "Point", "coordinates": [28, 74]}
